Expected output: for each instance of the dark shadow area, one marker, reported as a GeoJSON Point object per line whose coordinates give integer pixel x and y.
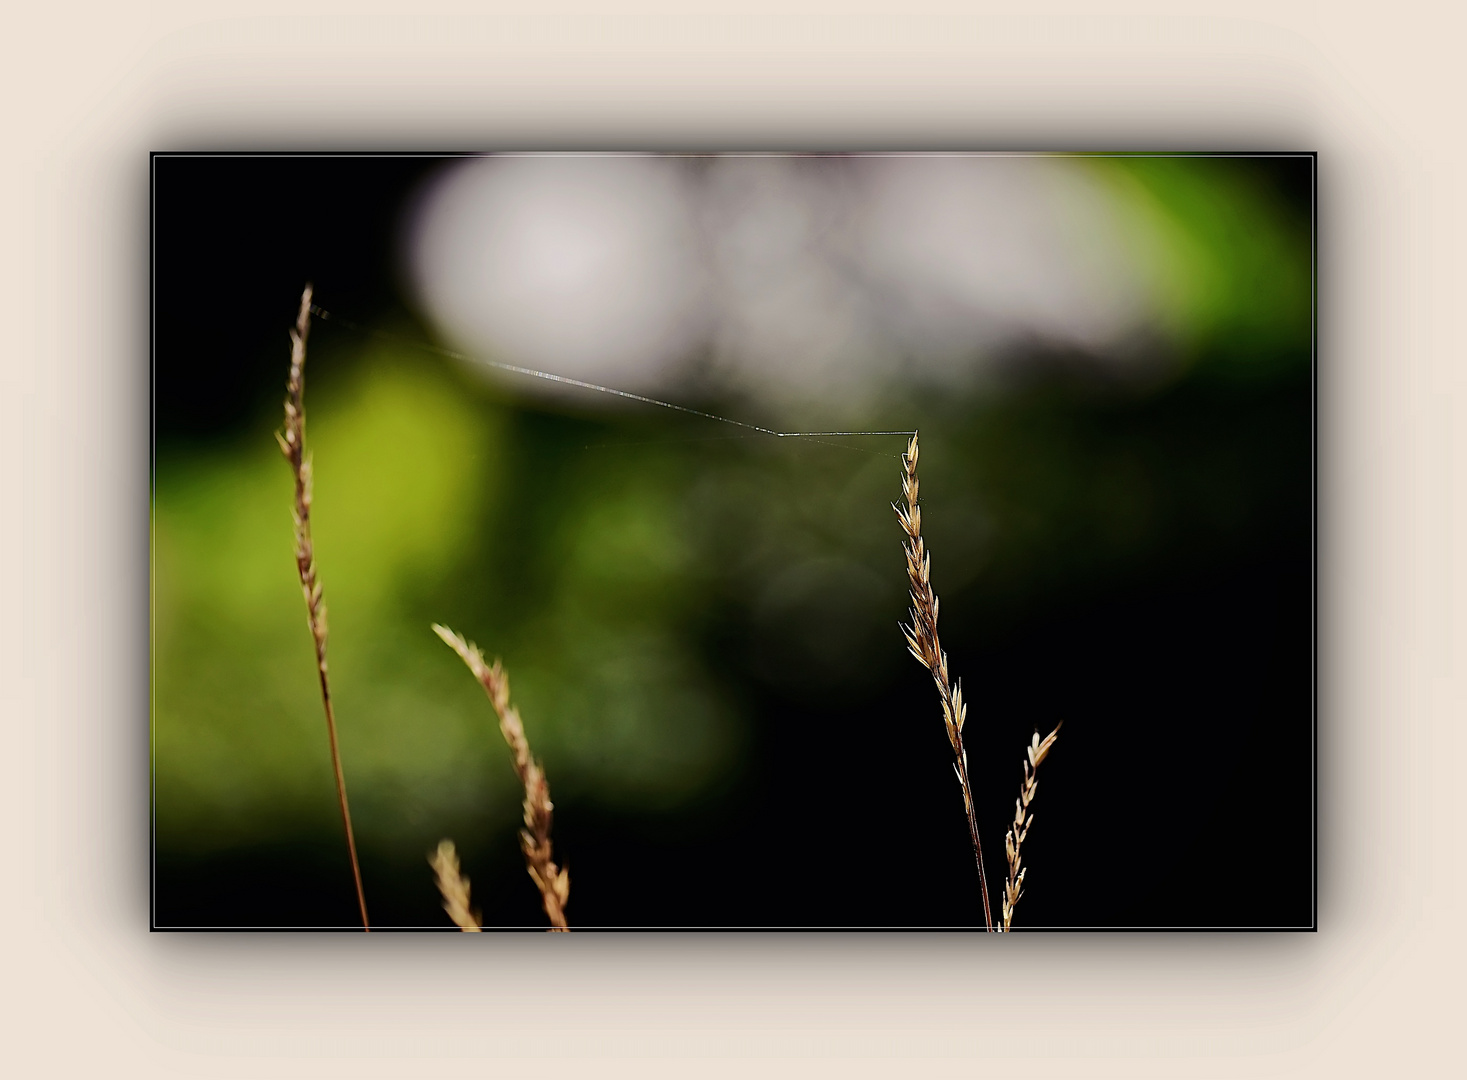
{"type": "Point", "coordinates": [235, 240]}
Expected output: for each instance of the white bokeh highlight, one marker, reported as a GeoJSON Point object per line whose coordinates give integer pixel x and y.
{"type": "Point", "coordinates": [787, 278]}
{"type": "Point", "coordinates": [584, 266]}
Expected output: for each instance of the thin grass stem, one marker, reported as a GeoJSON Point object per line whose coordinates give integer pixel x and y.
{"type": "Point", "coordinates": [922, 642]}
{"type": "Point", "coordinates": [292, 445]}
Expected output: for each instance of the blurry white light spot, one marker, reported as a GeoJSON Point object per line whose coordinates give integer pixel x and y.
{"type": "Point", "coordinates": [802, 279]}
{"type": "Point", "coordinates": [584, 266]}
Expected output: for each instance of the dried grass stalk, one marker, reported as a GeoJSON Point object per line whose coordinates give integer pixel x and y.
{"type": "Point", "coordinates": [1036, 751]}
{"type": "Point", "coordinates": [922, 642]}
{"type": "Point", "coordinates": [551, 880]}
{"type": "Point", "coordinates": [454, 887]}
{"type": "Point", "coordinates": [292, 444]}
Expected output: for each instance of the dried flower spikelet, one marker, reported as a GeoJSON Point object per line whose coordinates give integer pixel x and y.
{"type": "Point", "coordinates": [454, 887]}
{"type": "Point", "coordinates": [920, 635]}
{"type": "Point", "coordinates": [1036, 752]}
{"type": "Point", "coordinates": [553, 883]}
{"type": "Point", "coordinates": [562, 887]}
{"type": "Point", "coordinates": [1039, 750]}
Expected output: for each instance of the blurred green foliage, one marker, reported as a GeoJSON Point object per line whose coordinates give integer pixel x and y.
{"type": "Point", "coordinates": [408, 489]}
{"type": "Point", "coordinates": [1230, 259]}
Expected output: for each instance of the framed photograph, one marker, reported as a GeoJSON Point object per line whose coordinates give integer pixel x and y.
{"type": "Point", "coordinates": [780, 541]}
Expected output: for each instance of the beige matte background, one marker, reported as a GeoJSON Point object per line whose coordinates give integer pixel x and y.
{"type": "Point", "coordinates": [89, 89]}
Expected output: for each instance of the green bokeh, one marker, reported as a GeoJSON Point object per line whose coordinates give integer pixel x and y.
{"type": "Point", "coordinates": [1231, 266]}
{"type": "Point", "coordinates": [409, 492]}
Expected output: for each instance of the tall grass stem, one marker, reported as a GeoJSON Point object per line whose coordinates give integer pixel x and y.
{"type": "Point", "coordinates": [292, 445]}
{"type": "Point", "coordinates": [922, 642]}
